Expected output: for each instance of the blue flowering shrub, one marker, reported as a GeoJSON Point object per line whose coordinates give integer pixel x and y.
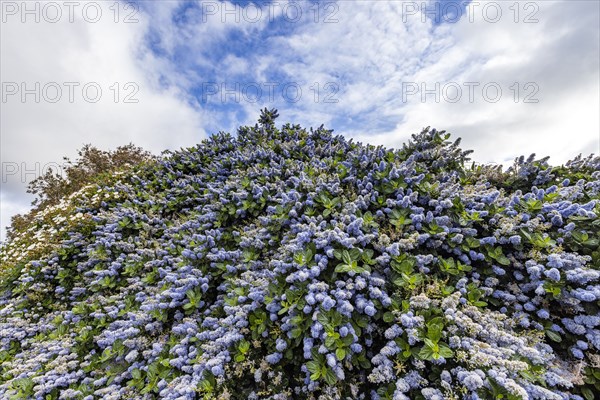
{"type": "Point", "coordinates": [285, 263]}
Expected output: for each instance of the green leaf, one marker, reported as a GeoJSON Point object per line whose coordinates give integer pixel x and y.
{"type": "Point", "coordinates": [362, 321]}
{"type": "Point", "coordinates": [426, 353]}
{"type": "Point", "coordinates": [322, 318]}
{"type": "Point", "coordinates": [388, 317]}
{"type": "Point", "coordinates": [341, 268]}
{"type": "Point", "coordinates": [340, 354]}
{"type": "Point", "coordinates": [364, 363]}
{"type": "Point", "coordinates": [587, 393]}
{"type": "Point", "coordinates": [446, 351]}
{"type": "Point", "coordinates": [330, 377]}
{"type": "Point", "coordinates": [346, 257]}
{"type": "Point", "coordinates": [430, 343]}
{"type": "Point", "coordinates": [296, 333]}
{"type": "Point", "coordinates": [244, 346]}
{"type": "Point", "coordinates": [503, 260]}
{"type": "Point", "coordinates": [336, 320]}
{"type": "Point", "coordinates": [553, 336]}
{"type": "Point", "coordinates": [136, 374]}
{"type": "Point", "coordinates": [355, 254]}
{"type": "Point", "coordinates": [434, 333]}
{"type": "Point", "coordinates": [329, 342]}
{"type": "Point", "coordinates": [314, 368]}
{"type": "Point", "coordinates": [347, 340]}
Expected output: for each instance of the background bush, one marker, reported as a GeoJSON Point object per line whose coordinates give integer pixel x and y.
{"type": "Point", "coordinates": [91, 165]}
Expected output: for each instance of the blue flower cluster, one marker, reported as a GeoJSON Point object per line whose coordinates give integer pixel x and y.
{"type": "Point", "coordinates": [285, 263]}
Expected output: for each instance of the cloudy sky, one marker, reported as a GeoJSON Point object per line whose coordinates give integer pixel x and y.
{"type": "Point", "coordinates": [508, 77]}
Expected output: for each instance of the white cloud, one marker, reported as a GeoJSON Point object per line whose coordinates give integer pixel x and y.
{"type": "Point", "coordinates": [372, 52]}
{"type": "Point", "coordinates": [559, 54]}
{"type": "Point", "coordinates": [104, 53]}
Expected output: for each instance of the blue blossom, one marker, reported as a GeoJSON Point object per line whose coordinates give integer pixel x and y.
{"type": "Point", "coordinates": [343, 331]}
{"type": "Point", "coordinates": [543, 314]}
{"type": "Point", "coordinates": [370, 311]}
{"type": "Point", "coordinates": [281, 345]}
{"type": "Point", "coordinates": [515, 239]}
{"type": "Point", "coordinates": [553, 274]}
{"type": "Point", "coordinates": [273, 358]}
{"type": "Point", "coordinates": [472, 382]}
{"type": "Point", "coordinates": [581, 345]}
{"type": "Point", "coordinates": [577, 353]}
